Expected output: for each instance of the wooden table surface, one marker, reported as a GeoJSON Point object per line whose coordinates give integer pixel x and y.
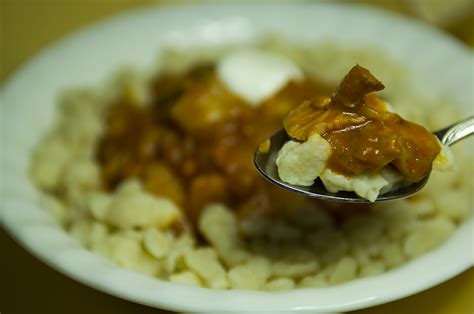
{"type": "Point", "coordinates": [29, 286]}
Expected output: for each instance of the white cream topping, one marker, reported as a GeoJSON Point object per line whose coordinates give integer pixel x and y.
{"type": "Point", "coordinates": [256, 75]}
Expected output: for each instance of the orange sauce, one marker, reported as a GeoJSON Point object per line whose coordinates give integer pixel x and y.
{"type": "Point", "coordinates": [195, 140]}
{"type": "Point", "coordinates": [364, 136]}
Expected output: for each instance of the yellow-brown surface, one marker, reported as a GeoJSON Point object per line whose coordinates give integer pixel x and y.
{"type": "Point", "coordinates": [27, 285]}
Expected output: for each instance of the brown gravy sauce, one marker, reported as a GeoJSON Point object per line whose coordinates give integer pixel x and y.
{"type": "Point", "coordinates": [194, 143]}
{"type": "Point", "coordinates": [364, 136]}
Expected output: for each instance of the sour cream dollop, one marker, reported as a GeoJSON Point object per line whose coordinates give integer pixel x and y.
{"type": "Point", "coordinates": [256, 75]}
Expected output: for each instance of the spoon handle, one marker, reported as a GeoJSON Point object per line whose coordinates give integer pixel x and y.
{"type": "Point", "coordinates": [456, 132]}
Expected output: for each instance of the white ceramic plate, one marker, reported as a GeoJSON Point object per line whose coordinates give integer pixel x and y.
{"type": "Point", "coordinates": [28, 101]}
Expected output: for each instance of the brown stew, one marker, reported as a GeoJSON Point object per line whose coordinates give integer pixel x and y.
{"type": "Point", "coordinates": [194, 142]}
{"type": "Point", "coordinates": [364, 136]}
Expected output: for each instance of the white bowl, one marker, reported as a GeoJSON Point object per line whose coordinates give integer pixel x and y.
{"type": "Point", "coordinates": [87, 57]}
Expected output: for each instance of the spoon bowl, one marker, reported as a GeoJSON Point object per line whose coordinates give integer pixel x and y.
{"type": "Point", "coordinates": [265, 162]}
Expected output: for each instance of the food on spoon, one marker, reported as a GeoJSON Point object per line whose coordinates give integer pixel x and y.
{"type": "Point", "coordinates": [352, 142]}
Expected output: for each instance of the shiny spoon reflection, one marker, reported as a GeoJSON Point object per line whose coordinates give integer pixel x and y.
{"type": "Point", "coordinates": [265, 164]}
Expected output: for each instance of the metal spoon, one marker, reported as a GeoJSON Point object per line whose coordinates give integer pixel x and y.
{"type": "Point", "coordinates": [265, 163]}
